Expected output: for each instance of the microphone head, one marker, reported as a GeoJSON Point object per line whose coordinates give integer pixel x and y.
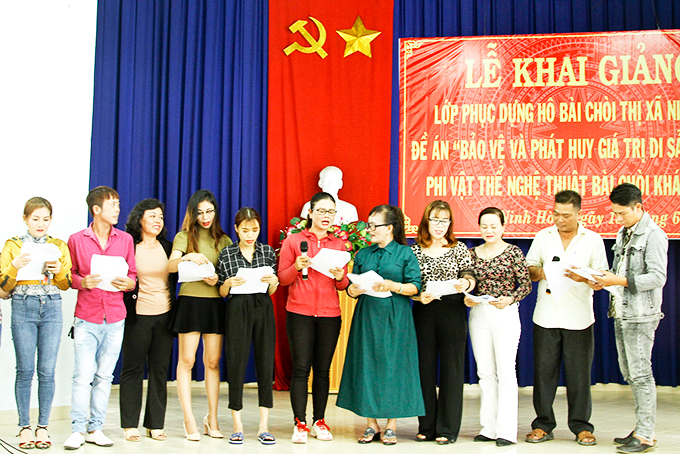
{"type": "Point", "coordinates": [304, 247]}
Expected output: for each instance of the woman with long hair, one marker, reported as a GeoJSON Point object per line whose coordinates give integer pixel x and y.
{"type": "Point", "coordinates": [200, 309]}
{"type": "Point", "coordinates": [502, 272]}
{"type": "Point", "coordinates": [313, 315]}
{"type": "Point", "coordinates": [37, 318]}
{"type": "Point", "coordinates": [250, 320]}
{"type": "Point", "coordinates": [441, 324]}
{"type": "Point", "coordinates": [147, 339]}
{"type": "Point", "coordinates": [380, 376]}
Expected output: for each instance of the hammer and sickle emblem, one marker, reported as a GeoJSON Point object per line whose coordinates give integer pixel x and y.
{"type": "Point", "coordinates": [314, 45]}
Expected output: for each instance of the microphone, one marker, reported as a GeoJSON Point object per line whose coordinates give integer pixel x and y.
{"type": "Point", "coordinates": [304, 247]}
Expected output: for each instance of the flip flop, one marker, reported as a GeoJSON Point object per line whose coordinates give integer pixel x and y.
{"type": "Point", "coordinates": [266, 438]}
{"type": "Point", "coordinates": [236, 438]}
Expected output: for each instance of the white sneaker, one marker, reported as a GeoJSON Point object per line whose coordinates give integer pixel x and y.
{"type": "Point", "coordinates": [98, 438]}
{"type": "Point", "coordinates": [300, 432]}
{"type": "Point", "coordinates": [321, 431]}
{"type": "Point", "coordinates": [74, 441]}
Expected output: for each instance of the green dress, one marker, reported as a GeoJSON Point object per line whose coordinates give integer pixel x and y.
{"type": "Point", "coordinates": [380, 378]}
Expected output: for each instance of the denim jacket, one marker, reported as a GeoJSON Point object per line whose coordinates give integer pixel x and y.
{"type": "Point", "coordinates": [647, 259]}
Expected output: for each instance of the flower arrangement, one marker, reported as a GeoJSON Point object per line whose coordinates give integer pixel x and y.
{"type": "Point", "coordinates": [354, 234]}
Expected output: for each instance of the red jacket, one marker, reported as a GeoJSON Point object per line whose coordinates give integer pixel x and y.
{"type": "Point", "coordinates": [318, 295]}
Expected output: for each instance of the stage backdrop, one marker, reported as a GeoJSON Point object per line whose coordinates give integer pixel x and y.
{"type": "Point", "coordinates": [330, 72]}
{"type": "Point", "coordinates": [508, 121]}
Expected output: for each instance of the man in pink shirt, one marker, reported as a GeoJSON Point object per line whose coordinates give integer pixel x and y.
{"type": "Point", "coordinates": [99, 318]}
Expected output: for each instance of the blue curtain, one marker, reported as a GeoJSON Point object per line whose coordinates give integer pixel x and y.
{"type": "Point", "coordinates": [432, 18]}
{"type": "Point", "coordinates": [180, 103]}
{"type": "Point", "coordinates": [180, 99]}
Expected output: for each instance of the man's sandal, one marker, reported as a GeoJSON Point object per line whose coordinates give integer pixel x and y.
{"type": "Point", "coordinates": [586, 438]}
{"type": "Point", "coordinates": [539, 436]}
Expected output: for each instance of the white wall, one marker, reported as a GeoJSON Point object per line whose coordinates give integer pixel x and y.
{"type": "Point", "coordinates": [46, 81]}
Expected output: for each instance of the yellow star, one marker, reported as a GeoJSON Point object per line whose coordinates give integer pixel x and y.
{"type": "Point", "coordinates": [358, 38]}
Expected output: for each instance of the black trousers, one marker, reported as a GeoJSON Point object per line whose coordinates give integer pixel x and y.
{"type": "Point", "coordinates": [312, 345]}
{"type": "Point", "coordinates": [575, 348]}
{"type": "Point", "coordinates": [149, 340]}
{"type": "Point", "coordinates": [250, 318]}
{"type": "Point", "coordinates": [441, 329]}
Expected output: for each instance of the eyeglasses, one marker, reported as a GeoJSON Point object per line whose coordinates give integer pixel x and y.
{"type": "Point", "coordinates": [324, 212]}
{"type": "Point", "coordinates": [371, 226]}
{"type": "Point", "coordinates": [436, 221]}
{"type": "Point", "coordinates": [206, 212]}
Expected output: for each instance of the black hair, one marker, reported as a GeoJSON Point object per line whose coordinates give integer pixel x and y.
{"type": "Point", "coordinates": [394, 217]}
{"type": "Point", "coordinates": [492, 210]}
{"type": "Point", "coordinates": [133, 226]}
{"type": "Point", "coordinates": [568, 197]}
{"type": "Point", "coordinates": [318, 197]}
{"type": "Point", "coordinates": [626, 194]}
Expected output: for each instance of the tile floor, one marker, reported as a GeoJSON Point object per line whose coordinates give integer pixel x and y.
{"type": "Point", "coordinates": [612, 416]}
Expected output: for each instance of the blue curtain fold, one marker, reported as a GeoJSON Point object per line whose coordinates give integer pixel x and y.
{"type": "Point", "coordinates": [435, 18]}
{"type": "Point", "coordinates": [180, 104]}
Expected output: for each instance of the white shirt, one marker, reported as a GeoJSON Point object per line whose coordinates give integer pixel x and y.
{"type": "Point", "coordinates": [574, 310]}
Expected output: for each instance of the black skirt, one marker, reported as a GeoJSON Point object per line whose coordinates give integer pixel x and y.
{"type": "Point", "coordinates": [204, 315]}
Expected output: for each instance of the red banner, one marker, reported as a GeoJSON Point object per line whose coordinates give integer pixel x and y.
{"type": "Point", "coordinates": [330, 76]}
{"type": "Point", "coordinates": [508, 121]}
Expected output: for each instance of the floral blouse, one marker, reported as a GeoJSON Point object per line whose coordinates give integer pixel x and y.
{"type": "Point", "coordinates": [455, 263]}
{"type": "Point", "coordinates": [507, 274]}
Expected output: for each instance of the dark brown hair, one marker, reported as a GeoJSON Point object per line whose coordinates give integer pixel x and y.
{"type": "Point", "coordinates": [247, 214]}
{"type": "Point", "coordinates": [394, 217]}
{"type": "Point", "coordinates": [133, 226]}
{"type": "Point", "coordinates": [98, 195]}
{"type": "Point", "coordinates": [424, 237]}
{"type": "Point", "coordinates": [190, 223]}
{"type": "Point", "coordinates": [34, 203]}
{"type": "Point", "coordinates": [491, 210]}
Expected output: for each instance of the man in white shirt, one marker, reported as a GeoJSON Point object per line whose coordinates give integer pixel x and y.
{"type": "Point", "coordinates": [564, 318]}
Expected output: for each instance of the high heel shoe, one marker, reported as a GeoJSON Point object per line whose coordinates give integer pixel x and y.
{"type": "Point", "coordinates": [191, 436]}
{"type": "Point", "coordinates": [210, 432]}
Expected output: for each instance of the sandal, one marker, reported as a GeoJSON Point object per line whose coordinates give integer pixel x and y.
{"type": "Point", "coordinates": [443, 440]}
{"type": "Point", "coordinates": [42, 442]}
{"type": "Point", "coordinates": [422, 437]}
{"type": "Point", "coordinates": [266, 438]}
{"type": "Point", "coordinates": [26, 442]}
{"type": "Point", "coordinates": [156, 434]}
{"type": "Point", "coordinates": [236, 438]}
{"type": "Point", "coordinates": [586, 438]}
{"type": "Point", "coordinates": [370, 435]}
{"type": "Point", "coordinates": [132, 434]}
{"type": "Point", "coordinates": [389, 437]}
{"type": "Point", "coordinates": [539, 436]}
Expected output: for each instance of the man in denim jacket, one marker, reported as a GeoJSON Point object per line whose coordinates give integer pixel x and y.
{"type": "Point", "coordinates": [639, 273]}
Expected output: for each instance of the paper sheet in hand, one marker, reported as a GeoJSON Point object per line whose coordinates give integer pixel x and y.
{"type": "Point", "coordinates": [40, 253]}
{"type": "Point", "coordinates": [441, 288]}
{"type": "Point", "coordinates": [587, 273]}
{"type": "Point", "coordinates": [326, 259]}
{"type": "Point", "coordinates": [558, 283]}
{"type": "Point", "coordinates": [366, 281]}
{"type": "Point", "coordinates": [483, 299]}
{"type": "Point", "coordinates": [253, 277]}
{"type": "Point", "coordinates": [192, 272]}
{"type": "Point", "coordinates": [108, 268]}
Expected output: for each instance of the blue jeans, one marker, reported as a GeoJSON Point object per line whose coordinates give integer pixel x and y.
{"type": "Point", "coordinates": [634, 342]}
{"type": "Point", "coordinates": [96, 352]}
{"type": "Point", "coordinates": [36, 325]}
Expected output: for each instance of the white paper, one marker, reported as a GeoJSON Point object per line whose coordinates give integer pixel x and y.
{"type": "Point", "coordinates": [253, 277]}
{"type": "Point", "coordinates": [482, 299]}
{"type": "Point", "coordinates": [39, 254]}
{"type": "Point", "coordinates": [441, 288]}
{"type": "Point", "coordinates": [108, 268]}
{"type": "Point", "coordinates": [327, 258]}
{"type": "Point", "coordinates": [587, 273]}
{"type": "Point", "coordinates": [366, 281]}
{"type": "Point", "coordinates": [189, 271]}
{"type": "Point", "coordinates": [558, 283]}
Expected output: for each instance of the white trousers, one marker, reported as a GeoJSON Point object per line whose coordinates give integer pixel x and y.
{"type": "Point", "coordinates": [495, 338]}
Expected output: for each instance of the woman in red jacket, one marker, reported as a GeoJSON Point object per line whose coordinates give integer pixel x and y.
{"type": "Point", "coordinates": [313, 318]}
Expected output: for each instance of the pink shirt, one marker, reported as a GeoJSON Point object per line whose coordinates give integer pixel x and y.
{"type": "Point", "coordinates": [96, 305]}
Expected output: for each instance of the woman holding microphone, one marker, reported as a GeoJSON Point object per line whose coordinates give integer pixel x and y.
{"type": "Point", "coordinates": [200, 309]}
{"type": "Point", "coordinates": [502, 272]}
{"type": "Point", "coordinates": [313, 315]}
{"type": "Point", "coordinates": [36, 318]}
